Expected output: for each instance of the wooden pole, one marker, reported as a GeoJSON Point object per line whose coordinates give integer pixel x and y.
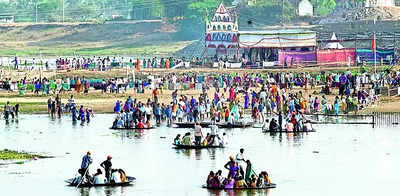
{"type": "Point", "coordinates": [374, 120]}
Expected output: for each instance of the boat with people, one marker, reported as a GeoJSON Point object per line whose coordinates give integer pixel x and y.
{"type": "Point", "coordinates": [180, 146]}
{"type": "Point", "coordinates": [286, 131]}
{"type": "Point", "coordinates": [129, 181]}
{"type": "Point", "coordinates": [220, 125]}
{"type": "Point", "coordinates": [241, 176]}
{"type": "Point", "coordinates": [235, 125]}
{"type": "Point", "coordinates": [118, 124]}
{"type": "Point", "coordinates": [288, 127]}
{"type": "Point", "coordinates": [269, 186]}
{"type": "Point", "coordinates": [130, 128]}
{"type": "Point", "coordinates": [211, 140]}
{"type": "Point", "coordinates": [111, 177]}
{"type": "Point", "coordinates": [191, 124]}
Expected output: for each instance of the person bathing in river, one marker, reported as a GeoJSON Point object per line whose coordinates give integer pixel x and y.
{"type": "Point", "coordinates": [88, 115]}
{"type": "Point", "coordinates": [82, 114]}
{"type": "Point", "coordinates": [74, 114]}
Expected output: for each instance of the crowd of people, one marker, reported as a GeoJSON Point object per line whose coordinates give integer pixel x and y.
{"type": "Point", "coordinates": [55, 108]}
{"type": "Point", "coordinates": [240, 175]}
{"type": "Point", "coordinates": [286, 95]}
{"type": "Point", "coordinates": [100, 63]}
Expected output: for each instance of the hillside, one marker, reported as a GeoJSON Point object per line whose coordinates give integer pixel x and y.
{"type": "Point", "coordinates": [142, 38]}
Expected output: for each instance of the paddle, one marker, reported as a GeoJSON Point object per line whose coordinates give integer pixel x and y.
{"type": "Point", "coordinates": [83, 176]}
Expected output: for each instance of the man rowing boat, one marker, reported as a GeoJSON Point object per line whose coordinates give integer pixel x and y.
{"type": "Point", "coordinates": [86, 161]}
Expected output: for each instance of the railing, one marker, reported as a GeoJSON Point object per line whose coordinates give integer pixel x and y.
{"type": "Point", "coordinates": [386, 118]}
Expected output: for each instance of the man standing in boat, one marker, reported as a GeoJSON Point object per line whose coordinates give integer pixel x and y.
{"type": "Point", "coordinates": [241, 161]}
{"type": "Point", "coordinates": [198, 134]}
{"type": "Point", "coordinates": [107, 167]}
{"type": "Point", "coordinates": [86, 161]}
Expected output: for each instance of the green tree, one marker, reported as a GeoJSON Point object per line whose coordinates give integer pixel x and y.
{"type": "Point", "coordinates": [325, 7]}
{"type": "Point", "coordinates": [192, 27]}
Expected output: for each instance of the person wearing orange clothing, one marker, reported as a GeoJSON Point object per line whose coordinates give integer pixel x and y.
{"type": "Point", "coordinates": [166, 63]}
{"type": "Point", "coordinates": [227, 114]}
{"type": "Point", "coordinates": [274, 89]}
{"type": "Point", "coordinates": [138, 64]}
{"type": "Point", "coordinates": [174, 110]}
{"type": "Point", "coordinates": [78, 86]}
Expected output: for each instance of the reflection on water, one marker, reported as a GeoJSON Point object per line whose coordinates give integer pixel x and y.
{"type": "Point", "coordinates": [349, 157]}
{"type": "Point", "coordinates": [294, 138]}
{"type": "Point", "coordinates": [103, 191]}
{"type": "Point", "coordinates": [210, 153]}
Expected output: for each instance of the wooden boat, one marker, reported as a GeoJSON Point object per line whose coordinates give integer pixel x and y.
{"type": "Point", "coordinates": [272, 185]}
{"type": "Point", "coordinates": [129, 178]}
{"type": "Point", "coordinates": [191, 124]}
{"type": "Point", "coordinates": [194, 147]}
{"type": "Point", "coordinates": [131, 128]}
{"type": "Point", "coordinates": [207, 124]}
{"type": "Point", "coordinates": [234, 125]}
{"type": "Point", "coordinates": [285, 131]}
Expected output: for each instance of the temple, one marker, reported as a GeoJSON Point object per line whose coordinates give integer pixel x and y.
{"type": "Point", "coordinates": [221, 33]}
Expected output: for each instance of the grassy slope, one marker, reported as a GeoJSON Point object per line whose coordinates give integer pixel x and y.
{"type": "Point", "coordinates": [148, 38]}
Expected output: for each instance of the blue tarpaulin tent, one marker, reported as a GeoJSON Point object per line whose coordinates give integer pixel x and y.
{"type": "Point", "coordinates": [367, 55]}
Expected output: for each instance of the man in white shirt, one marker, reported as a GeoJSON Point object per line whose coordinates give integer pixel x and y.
{"type": "Point", "coordinates": [266, 125]}
{"type": "Point", "coordinates": [214, 129]}
{"type": "Point", "coordinates": [224, 140]}
{"type": "Point", "coordinates": [198, 134]}
{"type": "Point", "coordinates": [241, 161]}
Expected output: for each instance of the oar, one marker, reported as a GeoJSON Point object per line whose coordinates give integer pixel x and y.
{"type": "Point", "coordinates": [255, 173]}
{"type": "Point", "coordinates": [83, 177]}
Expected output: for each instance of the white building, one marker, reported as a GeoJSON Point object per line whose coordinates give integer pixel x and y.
{"type": "Point", "coordinates": [306, 8]}
{"type": "Point", "coordinates": [380, 3]}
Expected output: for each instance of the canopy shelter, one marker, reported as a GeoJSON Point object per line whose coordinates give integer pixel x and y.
{"type": "Point", "coordinates": [282, 38]}
{"type": "Point", "coordinates": [275, 45]}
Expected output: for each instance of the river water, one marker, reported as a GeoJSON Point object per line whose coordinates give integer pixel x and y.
{"type": "Point", "coordinates": [351, 159]}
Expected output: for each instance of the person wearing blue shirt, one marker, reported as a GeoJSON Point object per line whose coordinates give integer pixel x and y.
{"type": "Point", "coordinates": [74, 117]}
{"type": "Point", "coordinates": [86, 161]}
{"type": "Point", "coordinates": [157, 112]}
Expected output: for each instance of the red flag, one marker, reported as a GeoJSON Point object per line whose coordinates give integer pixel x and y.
{"type": "Point", "coordinates": [373, 43]}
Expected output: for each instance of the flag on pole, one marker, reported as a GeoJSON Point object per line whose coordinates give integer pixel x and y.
{"type": "Point", "coordinates": [373, 43]}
